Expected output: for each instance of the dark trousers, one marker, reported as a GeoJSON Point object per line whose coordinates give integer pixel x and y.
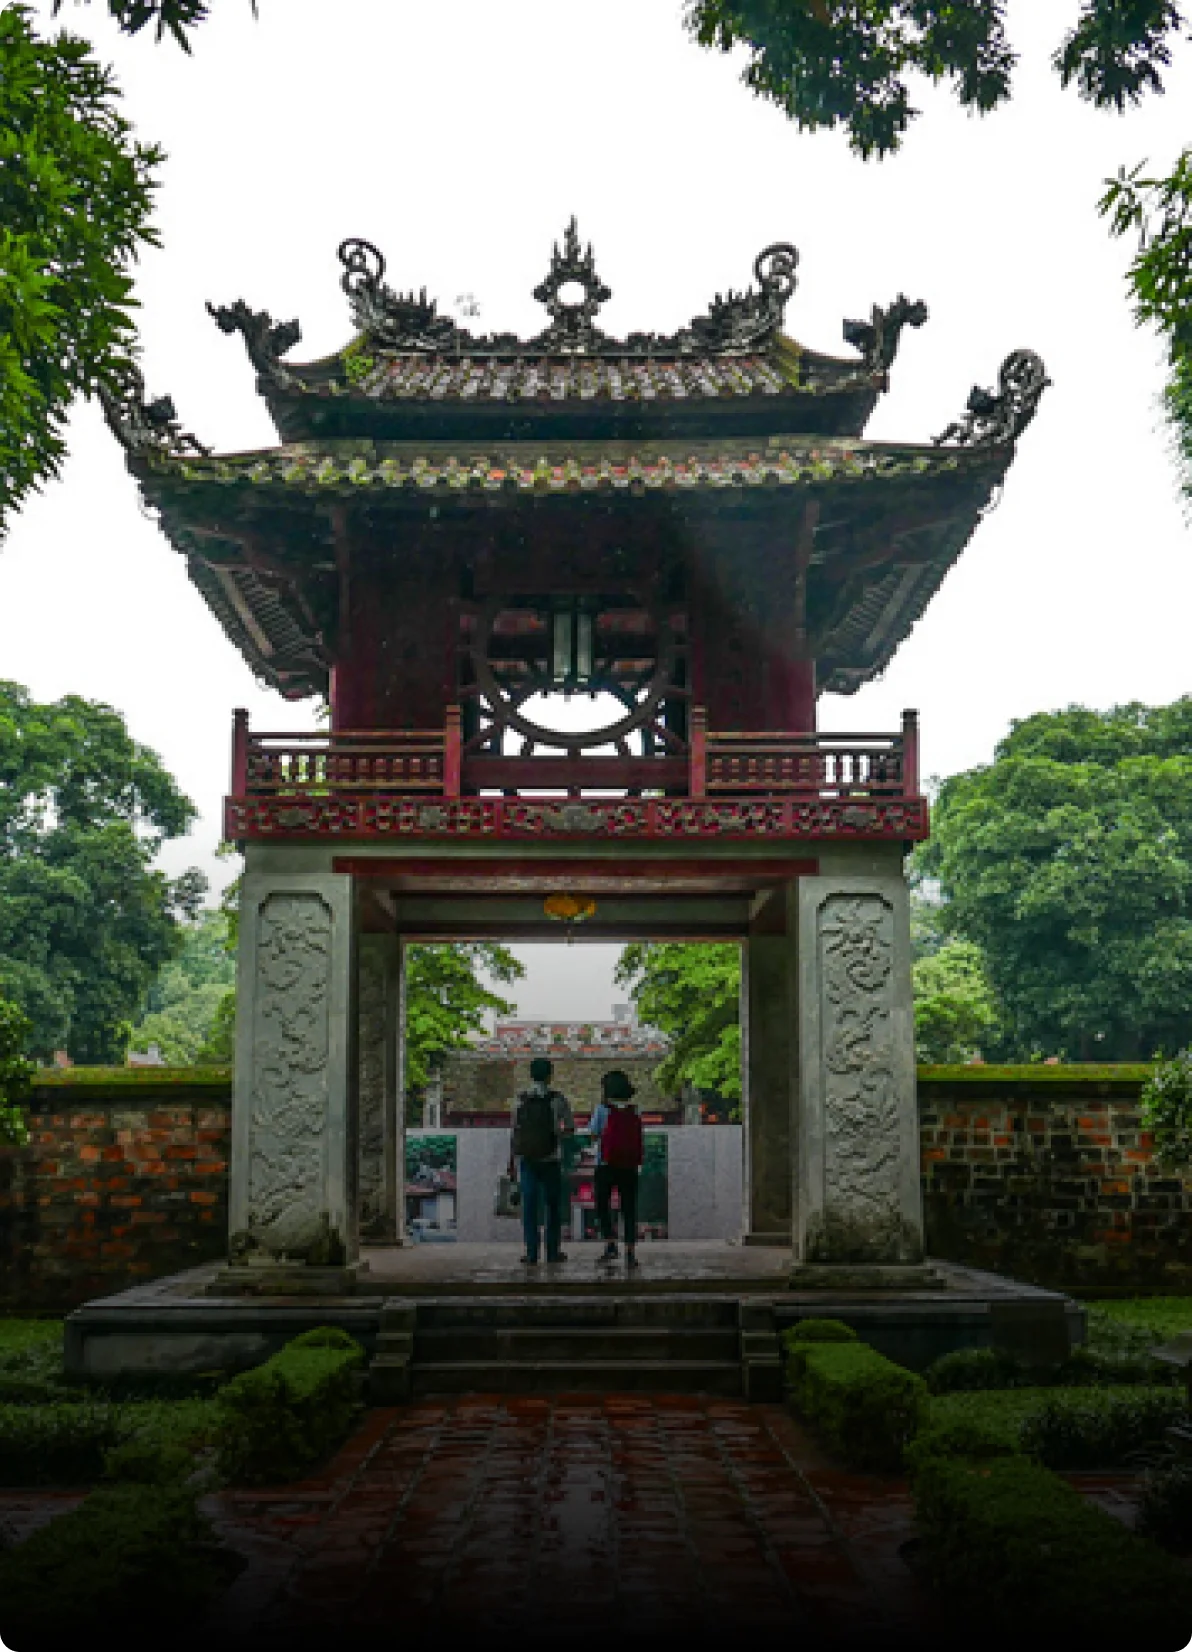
{"type": "Point", "coordinates": [542, 1195]}
{"type": "Point", "coordinates": [624, 1180]}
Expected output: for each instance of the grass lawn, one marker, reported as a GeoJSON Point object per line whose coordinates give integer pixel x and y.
{"type": "Point", "coordinates": [1158, 1318]}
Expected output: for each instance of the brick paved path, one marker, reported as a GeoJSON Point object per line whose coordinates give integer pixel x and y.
{"type": "Point", "coordinates": [622, 1515]}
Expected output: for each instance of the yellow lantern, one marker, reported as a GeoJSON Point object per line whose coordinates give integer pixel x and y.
{"type": "Point", "coordinates": [569, 909]}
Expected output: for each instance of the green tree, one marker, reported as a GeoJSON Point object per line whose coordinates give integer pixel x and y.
{"type": "Point", "coordinates": [690, 992]}
{"type": "Point", "coordinates": [188, 1004]}
{"type": "Point", "coordinates": [75, 198]}
{"type": "Point", "coordinates": [446, 999]}
{"type": "Point", "coordinates": [846, 63]}
{"type": "Point", "coordinates": [15, 1071]}
{"type": "Point", "coordinates": [850, 63]}
{"type": "Point", "coordinates": [1068, 861]}
{"type": "Point", "coordinates": [955, 1011]}
{"type": "Point", "coordinates": [86, 921]}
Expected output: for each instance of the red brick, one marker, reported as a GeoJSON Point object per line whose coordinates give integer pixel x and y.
{"type": "Point", "coordinates": [180, 1151]}
{"type": "Point", "coordinates": [113, 1155]}
{"type": "Point", "coordinates": [87, 1199]}
{"type": "Point", "coordinates": [200, 1198]}
{"type": "Point", "coordinates": [217, 1168]}
{"type": "Point", "coordinates": [89, 1155]}
{"type": "Point", "coordinates": [126, 1201]}
{"type": "Point", "coordinates": [116, 1247]}
{"type": "Point", "coordinates": [142, 1218]}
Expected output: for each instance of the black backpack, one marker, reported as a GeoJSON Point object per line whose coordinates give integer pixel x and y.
{"type": "Point", "coordinates": [534, 1136]}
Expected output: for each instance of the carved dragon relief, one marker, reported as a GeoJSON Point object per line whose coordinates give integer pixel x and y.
{"type": "Point", "coordinates": [143, 428]}
{"type": "Point", "coordinates": [290, 1076]}
{"type": "Point", "coordinates": [992, 418]}
{"type": "Point", "coordinates": [862, 1215]}
{"type": "Point", "coordinates": [411, 322]}
{"type": "Point", "coordinates": [372, 1027]}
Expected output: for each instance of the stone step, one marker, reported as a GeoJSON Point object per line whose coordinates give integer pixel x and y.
{"type": "Point", "coordinates": [655, 1312]}
{"type": "Point", "coordinates": [473, 1343]}
{"type": "Point", "coordinates": [578, 1377]}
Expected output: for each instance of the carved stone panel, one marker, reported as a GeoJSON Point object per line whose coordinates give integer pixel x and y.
{"type": "Point", "coordinates": [294, 1118]}
{"type": "Point", "coordinates": [377, 992]}
{"type": "Point", "coordinates": [859, 1181]}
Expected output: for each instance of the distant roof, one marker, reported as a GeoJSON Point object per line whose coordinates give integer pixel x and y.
{"type": "Point", "coordinates": [411, 371]}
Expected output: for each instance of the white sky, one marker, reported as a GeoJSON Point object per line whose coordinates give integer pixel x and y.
{"type": "Point", "coordinates": [459, 138]}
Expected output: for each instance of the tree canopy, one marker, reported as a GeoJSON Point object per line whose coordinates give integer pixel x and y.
{"type": "Point", "coordinates": [86, 921]}
{"type": "Point", "coordinates": [1068, 861]}
{"type": "Point", "coordinates": [690, 992]}
{"type": "Point", "coordinates": [446, 999]}
{"type": "Point", "coordinates": [15, 1070]}
{"type": "Point", "coordinates": [75, 199]}
{"type": "Point", "coordinates": [189, 1009]}
{"type": "Point", "coordinates": [847, 63]}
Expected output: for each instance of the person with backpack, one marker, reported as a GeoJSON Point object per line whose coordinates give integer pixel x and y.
{"type": "Point", "coordinates": [541, 1118]}
{"type": "Point", "coordinates": [619, 1153]}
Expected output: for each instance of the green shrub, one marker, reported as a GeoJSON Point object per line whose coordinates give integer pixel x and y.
{"type": "Point", "coordinates": [129, 1557]}
{"type": "Point", "coordinates": [64, 1444]}
{"type": "Point", "coordinates": [974, 1368]}
{"type": "Point", "coordinates": [146, 1463]}
{"type": "Point", "coordinates": [1166, 1106]}
{"type": "Point", "coordinates": [32, 1390]}
{"type": "Point", "coordinates": [1165, 1505]}
{"type": "Point", "coordinates": [1098, 1428]}
{"type": "Point", "coordinates": [1018, 1551]}
{"type": "Point", "coordinates": [864, 1406]}
{"type": "Point", "coordinates": [277, 1419]}
{"type": "Point", "coordinates": [323, 1336]}
{"type": "Point", "coordinates": [973, 1436]}
{"type": "Point", "coordinates": [819, 1330]}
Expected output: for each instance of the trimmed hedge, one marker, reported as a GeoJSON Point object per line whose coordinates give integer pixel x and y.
{"type": "Point", "coordinates": [131, 1557]}
{"type": "Point", "coordinates": [56, 1445]}
{"type": "Point", "coordinates": [818, 1330]}
{"type": "Point", "coordinates": [282, 1416]}
{"type": "Point", "coordinates": [1099, 1428]}
{"type": "Point", "coordinates": [864, 1407]}
{"type": "Point", "coordinates": [1016, 1549]}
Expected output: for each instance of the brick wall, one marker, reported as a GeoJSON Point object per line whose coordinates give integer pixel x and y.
{"type": "Point", "coordinates": [1042, 1173]}
{"type": "Point", "coordinates": [124, 1179]}
{"type": "Point", "coordinates": [1045, 1173]}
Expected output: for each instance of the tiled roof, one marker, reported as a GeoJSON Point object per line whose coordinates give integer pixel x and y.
{"type": "Point", "coordinates": [403, 377]}
{"type": "Point", "coordinates": [648, 468]}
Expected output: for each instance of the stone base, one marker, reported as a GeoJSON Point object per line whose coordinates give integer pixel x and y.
{"type": "Point", "coordinates": [844, 1277]}
{"type": "Point", "coordinates": [280, 1278]}
{"type": "Point", "coordinates": [774, 1240]}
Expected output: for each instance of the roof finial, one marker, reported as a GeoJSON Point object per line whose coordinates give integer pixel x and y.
{"type": "Point", "coordinates": [572, 316]}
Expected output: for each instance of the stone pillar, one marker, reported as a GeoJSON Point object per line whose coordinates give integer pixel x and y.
{"type": "Point", "coordinates": [857, 1194]}
{"type": "Point", "coordinates": [293, 1195]}
{"type": "Point", "coordinates": [378, 1007]}
{"type": "Point", "coordinates": [766, 1081]}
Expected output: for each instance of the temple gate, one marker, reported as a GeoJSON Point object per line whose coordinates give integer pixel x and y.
{"type": "Point", "coordinates": [454, 526]}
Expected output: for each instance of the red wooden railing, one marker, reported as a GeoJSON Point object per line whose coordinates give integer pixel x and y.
{"type": "Point", "coordinates": [432, 761]}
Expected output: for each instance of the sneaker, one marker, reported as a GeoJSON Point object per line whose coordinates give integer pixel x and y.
{"type": "Point", "coordinates": [561, 1257]}
{"type": "Point", "coordinates": [608, 1254]}
{"type": "Point", "coordinates": [529, 1261]}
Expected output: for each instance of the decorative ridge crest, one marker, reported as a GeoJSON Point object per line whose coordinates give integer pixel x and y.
{"type": "Point", "coordinates": [879, 337]}
{"type": "Point", "coordinates": [264, 339]}
{"type": "Point", "coordinates": [411, 322]}
{"type": "Point", "coordinates": [144, 429]}
{"type": "Point", "coordinates": [994, 418]}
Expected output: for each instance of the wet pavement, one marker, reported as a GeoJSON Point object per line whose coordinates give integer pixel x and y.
{"type": "Point", "coordinates": [607, 1517]}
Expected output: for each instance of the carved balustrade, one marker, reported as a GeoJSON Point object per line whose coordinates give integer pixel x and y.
{"type": "Point", "coordinates": [420, 762]}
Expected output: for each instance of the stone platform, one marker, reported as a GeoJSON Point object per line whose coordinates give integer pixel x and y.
{"type": "Point", "coordinates": [614, 1320]}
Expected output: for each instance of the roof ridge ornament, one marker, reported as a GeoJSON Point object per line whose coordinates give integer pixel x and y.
{"type": "Point", "coordinates": [406, 321]}
{"type": "Point", "coordinates": [879, 337]}
{"type": "Point", "coordinates": [572, 320]}
{"type": "Point", "coordinates": [144, 429]}
{"type": "Point", "coordinates": [993, 419]}
{"type": "Point", "coordinates": [733, 323]}
{"type": "Point", "coordinates": [264, 339]}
